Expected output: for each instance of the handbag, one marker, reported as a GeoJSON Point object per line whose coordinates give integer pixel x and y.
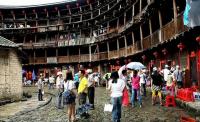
{"type": "Point", "coordinates": [108, 108]}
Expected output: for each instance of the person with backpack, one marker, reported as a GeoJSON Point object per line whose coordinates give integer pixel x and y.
{"type": "Point", "coordinates": [69, 98]}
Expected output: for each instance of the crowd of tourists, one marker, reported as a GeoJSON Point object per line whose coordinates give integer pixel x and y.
{"type": "Point", "coordinates": [126, 88]}
{"type": "Point", "coordinates": [133, 83]}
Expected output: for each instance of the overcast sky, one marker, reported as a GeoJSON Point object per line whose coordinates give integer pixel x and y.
{"type": "Point", "coordinates": [28, 2]}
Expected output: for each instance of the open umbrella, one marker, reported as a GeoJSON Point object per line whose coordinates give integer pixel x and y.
{"type": "Point", "coordinates": [121, 69]}
{"type": "Point", "coordinates": [135, 66]}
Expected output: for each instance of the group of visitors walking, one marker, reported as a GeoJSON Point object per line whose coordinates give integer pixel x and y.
{"type": "Point", "coordinates": [136, 81]}
{"type": "Point", "coordinates": [127, 88]}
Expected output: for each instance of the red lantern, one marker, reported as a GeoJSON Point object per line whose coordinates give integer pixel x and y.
{"type": "Point", "coordinates": [88, 2]}
{"type": "Point", "coordinates": [180, 46]}
{"type": "Point", "coordinates": [193, 54]}
{"type": "Point", "coordinates": [77, 5]}
{"type": "Point", "coordinates": [23, 11]}
{"type": "Point", "coordinates": [68, 6]}
{"type": "Point", "coordinates": [144, 57]}
{"type": "Point", "coordinates": [12, 12]}
{"type": "Point", "coordinates": [56, 8]}
{"type": "Point", "coordinates": [34, 11]}
{"type": "Point", "coordinates": [198, 39]}
{"type": "Point", "coordinates": [45, 10]}
{"type": "Point", "coordinates": [164, 51]}
{"type": "Point", "coordinates": [155, 54]}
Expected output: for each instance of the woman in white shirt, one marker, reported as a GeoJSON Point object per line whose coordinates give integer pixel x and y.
{"type": "Point", "coordinates": [70, 86]}
{"type": "Point", "coordinates": [116, 86]}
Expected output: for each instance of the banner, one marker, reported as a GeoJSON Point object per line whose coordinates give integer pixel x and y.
{"type": "Point", "coordinates": [191, 16]}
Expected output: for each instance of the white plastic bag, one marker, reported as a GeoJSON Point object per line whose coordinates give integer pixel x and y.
{"type": "Point", "coordinates": [108, 108]}
{"type": "Point", "coordinates": [43, 92]}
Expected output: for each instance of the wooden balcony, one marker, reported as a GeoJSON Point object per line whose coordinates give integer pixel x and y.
{"type": "Point", "coordinates": [94, 57]}
{"type": "Point", "coordinates": [129, 50]}
{"type": "Point", "coordinates": [74, 58]}
{"type": "Point", "coordinates": [122, 52]}
{"type": "Point", "coordinates": [38, 60]}
{"type": "Point", "coordinates": [84, 58]}
{"type": "Point", "coordinates": [103, 56]}
{"type": "Point", "coordinates": [146, 42]}
{"type": "Point", "coordinates": [113, 54]}
{"type": "Point", "coordinates": [165, 33]}
{"type": "Point", "coordinates": [63, 59]}
{"type": "Point", "coordinates": [168, 31]}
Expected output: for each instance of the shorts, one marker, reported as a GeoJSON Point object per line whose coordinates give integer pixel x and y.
{"type": "Point", "coordinates": [155, 93]}
{"type": "Point", "coordinates": [156, 90]}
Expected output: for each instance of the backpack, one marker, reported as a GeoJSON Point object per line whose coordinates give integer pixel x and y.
{"type": "Point", "coordinates": [68, 96]}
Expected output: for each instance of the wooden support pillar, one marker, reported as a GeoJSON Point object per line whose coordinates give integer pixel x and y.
{"type": "Point", "coordinates": [141, 38]}
{"type": "Point", "coordinates": [56, 52]}
{"type": "Point", "coordinates": [160, 18]}
{"type": "Point", "coordinates": [125, 42]}
{"type": "Point", "coordinates": [125, 18]}
{"type": "Point", "coordinates": [150, 30]}
{"type": "Point", "coordinates": [45, 53]}
{"type": "Point", "coordinates": [161, 25]}
{"type": "Point", "coordinates": [175, 15]}
{"type": "Point", "coordinates": [150, 27]}
{"type": "Point", "coordinates": [108, 27]}
{"type": "Point", "coordinates": [117, 23]}
{"type": "Point", "coordinates": [133, 39]}
{"type": "Point", "coordinates": [117, 44]}
{"type": "Point", "coordinates": [108, 49]}
{"type": "Point", "coordinates": [90, 53]}
{"type": "Point", "coordinates": [133, 12]}
{"type": "Point", "coordinates": [140, 5]}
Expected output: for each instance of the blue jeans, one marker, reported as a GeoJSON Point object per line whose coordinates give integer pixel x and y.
{"type": "Point", "coordinates": [134, 93]}
{"type": "Point", "coordinates": [116, 112]}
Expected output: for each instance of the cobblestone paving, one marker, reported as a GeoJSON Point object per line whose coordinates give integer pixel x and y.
{"type": "Point", "coordinates": [147, 113]}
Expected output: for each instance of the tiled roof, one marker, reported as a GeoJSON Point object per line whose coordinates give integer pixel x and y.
{"type": "Point", "coordinates": [6, 43]}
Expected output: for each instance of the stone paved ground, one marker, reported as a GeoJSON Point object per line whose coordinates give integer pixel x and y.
{"type": "Point", "coordinates": [147, 113]}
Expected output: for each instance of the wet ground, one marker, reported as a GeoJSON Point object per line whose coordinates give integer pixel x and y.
{"type": "Point", "coordinates": [49, 113]}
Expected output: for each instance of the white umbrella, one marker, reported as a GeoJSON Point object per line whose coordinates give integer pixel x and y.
{"type": "Point", "coordinates": [59, 73]}
{"type": "Point", "coordinates": [120, 70]}
{"type": "Point", "coordinates": [135, 65]}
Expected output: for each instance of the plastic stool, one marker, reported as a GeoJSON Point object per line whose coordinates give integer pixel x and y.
{"type": "Point", "coordinates": [170, 101]}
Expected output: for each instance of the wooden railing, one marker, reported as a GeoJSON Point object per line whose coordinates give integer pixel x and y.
{"type": "Point", "coordinates": [63, 59]}
{"type": "Point", "coordinates": [146, 42]}
{"type": "Point", "coordinates": [94, 57]}
{"type": "Point", "coordinates": [38, 60]}
{"type": "Point", "coordinates": [113, 54]}
{"type": "Point", "coordinates": [122, 52]}
{"type": "Point", "coordinates": [103, 56]}
{"type": "Point", "coordinates": [74, 58]}
{"type": "Point", "coordinates": [84, 58]}
{"type": "Point", "coordinates": [129, 50]}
